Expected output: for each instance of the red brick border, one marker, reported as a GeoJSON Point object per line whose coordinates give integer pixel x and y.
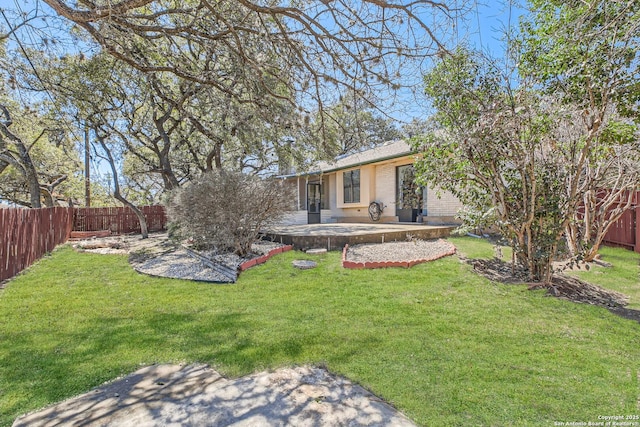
{"type": "Point", "coordinates": [386, 264]}
{"type": "Point", "coordinates": [89, 234]}
{"type": "Point", "coordinates": [264, 258]}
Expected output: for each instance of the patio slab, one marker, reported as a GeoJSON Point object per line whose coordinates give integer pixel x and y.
{"type": "Point", "coordinates": [336, 236]}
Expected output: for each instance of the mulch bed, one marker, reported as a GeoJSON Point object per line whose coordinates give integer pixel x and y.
{"type": "Point", "coordinates": [561, 286]}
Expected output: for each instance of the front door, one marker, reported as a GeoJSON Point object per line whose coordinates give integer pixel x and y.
{"type": "Point", "coordinates": [314, 200]}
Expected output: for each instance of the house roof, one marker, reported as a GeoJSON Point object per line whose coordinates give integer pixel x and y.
{"type": "Point", "coordinates": [389, 150]}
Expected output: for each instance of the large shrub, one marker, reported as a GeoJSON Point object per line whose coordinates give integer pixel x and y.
{"type": "Point", "coordinates": [226, 210]}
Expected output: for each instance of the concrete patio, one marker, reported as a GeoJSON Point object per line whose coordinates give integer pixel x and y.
{"type": "Point", "coordinates": [334, 236]}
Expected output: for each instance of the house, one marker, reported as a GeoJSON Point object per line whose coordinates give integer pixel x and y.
{"type": "Point", "coordinates": [344, 189]}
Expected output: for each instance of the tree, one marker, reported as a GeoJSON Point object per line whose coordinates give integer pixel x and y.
{"type": "Point", "coordinates": [19, 158]}
{"type": "Point", "coordinates": [348, 126]}
{"type": "Point", "coordinates": [556, 156]}
{"type": "Point", "coordinates": [228, 84]}
{"type": "Point", "coordinates": [227, 210]}
{"type": "Point", "coordinates": [172, 128]}
{"type": "Point", "coordinates": [38, 164]}
{"type": "Point", "coordinates": [587, 54]}
{"type": "Point", "coordinates": [415, 127]}
{"type": "Point", "coordinates": [144, 231]}
{"type": "Point", "coordinates": [492, 150]}
{"type": "Point", "coordinates": [313, 50]}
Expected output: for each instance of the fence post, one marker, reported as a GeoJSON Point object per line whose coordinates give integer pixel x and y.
{"type": "Point", "coordinates": [636, 226]}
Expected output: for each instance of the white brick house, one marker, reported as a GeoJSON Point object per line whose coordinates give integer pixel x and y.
{"type": "Point", "coordinates": [342, 190]}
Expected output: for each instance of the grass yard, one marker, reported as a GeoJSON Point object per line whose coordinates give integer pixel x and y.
{"type": "Point", "coordinates": [446, 347]}
{"type": "Point", "coordinates": [621, 277]}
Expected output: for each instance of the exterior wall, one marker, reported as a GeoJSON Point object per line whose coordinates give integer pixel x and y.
{"type": "Point", "coordinates": [294, 218]}
{"type": "Point", "coordinates": [300, 217]}
{"type": "Point", "coordinates": [333, 194]}
{"type": "Point", "coordinates": [446, 205]}
{"type": "Point", "coordinates": [302, 192]}
{"type": "Point", "coordinates": [377, 183]}
{"type": "Point", "coordinates": [367, 193]}
{"type": "Point", "coordinates": [326, 191]}
{"type": "Point", "coordinates": [367, 187]}
{"type": "Point", "coordinates": [386, 188]}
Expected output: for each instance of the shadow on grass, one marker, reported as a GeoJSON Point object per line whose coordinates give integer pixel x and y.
{"type": "Point", "coordinates": [196, 395]}
{"type": "Point", "coordinates": [67, 363]}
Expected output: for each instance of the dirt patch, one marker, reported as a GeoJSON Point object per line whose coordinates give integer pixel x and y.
{"type": "Point", "coordinates": [196, 395]}
{"type": "Point", "coordinates": [561, 286]}
{"type": "Point", "coordinates": [156, 243]}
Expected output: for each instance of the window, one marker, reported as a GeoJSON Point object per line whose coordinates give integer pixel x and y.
{"type": "Point", "coordinates": [351, 182]}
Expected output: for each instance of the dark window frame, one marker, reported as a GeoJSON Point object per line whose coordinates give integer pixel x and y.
{"type": "Point", "coordinates": [351, 186]}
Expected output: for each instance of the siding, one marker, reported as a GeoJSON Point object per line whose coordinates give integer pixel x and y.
{"type": "Point", "coordinates": [300, 218]}
{"type": "Point", "coordinates": [446, 205]}
{"type": "Point", "coordinates": [386, 187]}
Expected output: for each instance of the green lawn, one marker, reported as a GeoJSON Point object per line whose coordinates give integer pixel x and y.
{"type": "Point", "coordinates": [622, 276]}
{"type": "Point", "coordinates": [445, 346]}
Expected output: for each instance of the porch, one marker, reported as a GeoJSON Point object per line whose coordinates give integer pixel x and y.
{"type": "Point", "coordinates": [335, 236]}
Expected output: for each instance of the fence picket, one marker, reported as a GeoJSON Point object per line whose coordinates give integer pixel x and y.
{"type": "Point", "coordinates": [119, 220]}
{"type": "Point", "coordinates": [624, 231]}
{"type": "Point", "coordinates": [28, 234]}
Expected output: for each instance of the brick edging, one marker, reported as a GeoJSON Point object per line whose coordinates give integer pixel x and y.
{"type": "Point", "coordinates": [264, 258]}
{"type": "Point", "coordinates": [385, 264]}
{"type": "Point", "coordinates": [89, 234]}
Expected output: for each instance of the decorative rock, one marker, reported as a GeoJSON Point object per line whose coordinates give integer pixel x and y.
{"type": "Point", "coordinates": [317, 251]}
{"type": "Point", "coordinates": [304, 264]}
{"type": "Point", "coordinates": [395, 254]}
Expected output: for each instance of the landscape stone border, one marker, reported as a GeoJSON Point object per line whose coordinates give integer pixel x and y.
{"type": "Point", "coordinates": [386, 264]}
{"type": "Point", "coordinates": [89, 234]}
{"type": "Point", "coordinates": [264, 258]}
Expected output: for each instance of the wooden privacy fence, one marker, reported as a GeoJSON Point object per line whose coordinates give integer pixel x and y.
{"type": "Point", "coordinates": [625, 232]}
{"type": "Point", "coordinates": [119, 220]}
{"type": "Point", "coordinates": [27, 234]}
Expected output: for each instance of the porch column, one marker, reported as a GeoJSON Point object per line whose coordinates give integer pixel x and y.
{"type": "Point", "coordinates": [306, 194]}
{"type": "Point", "coordinates": [298, 193]}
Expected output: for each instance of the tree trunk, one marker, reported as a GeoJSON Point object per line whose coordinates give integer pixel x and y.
{"type": "Point", "coordinates": [116, 191]}
{"type": "Point", "coordinates": [169, 178]}
{"type": "Point", "coordinates": [48, 198]}
{"type": "Point", "coordinates": [28, 169]}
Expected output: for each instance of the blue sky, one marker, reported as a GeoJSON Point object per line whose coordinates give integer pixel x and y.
{"type": "Point", "coordinates": [484, 29]}
{"type": "Point", "coordinates": [492, 17]}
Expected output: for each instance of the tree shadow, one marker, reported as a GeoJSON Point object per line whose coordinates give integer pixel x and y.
{"type": "Point", "coordinates": [64, 364]}
{"type": "Point", "coordinates": [197, 395]}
